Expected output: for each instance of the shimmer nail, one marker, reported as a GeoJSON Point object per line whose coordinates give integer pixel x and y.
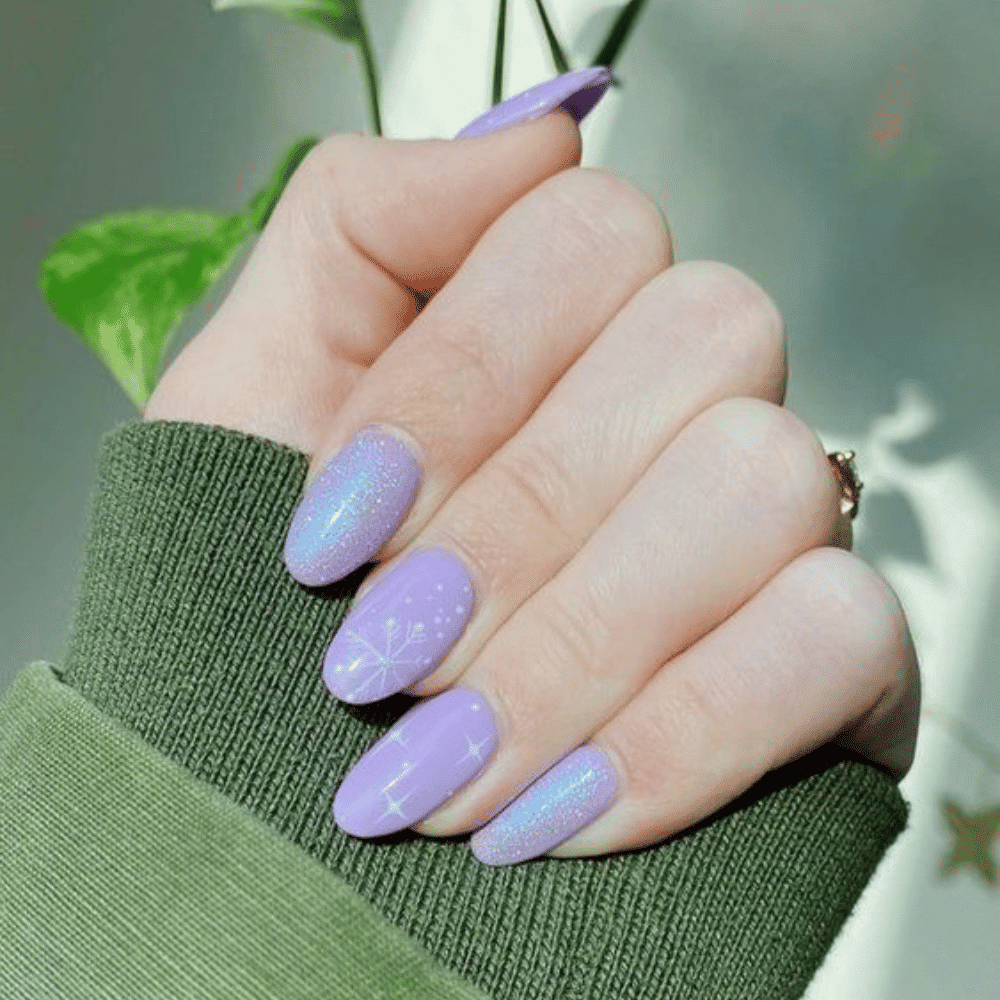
{"type": "Point", "coordinates": [577, 91]}
{"type": "Point", "coordinates": [432, 752]}
{"type": "Point", "coordinates": [401, 629]}
{"type": "Point", "coordinates": [560, 803]}
{"type": "Point", "coordinates": [352, 508]}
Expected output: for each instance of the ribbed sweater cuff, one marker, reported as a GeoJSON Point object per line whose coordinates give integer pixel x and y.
{"type": "Point", "coordinates": [123, 877]}
{"type": "Point", "coordinates": [190, 631]}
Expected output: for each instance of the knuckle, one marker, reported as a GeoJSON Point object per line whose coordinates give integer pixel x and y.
{"type": "Point", "coordinates": [574, 634]}
{"type": "Point", "coordinates": [306, 206]}
{"type": "Point", "coordinates": [514, 525]}
{"type": "Point", "coordinates": [473, 366]}
{"type": "Point", "coordinates": [868, 613]}
{"type": "Point", "coordinates": [318, 167]}
{"type": "Point", "coordinates": [311, 201]}
{"type": "Point", "coordinates": [732, 305]}
{"type": "Point", "coordinates": [673, 742]}
{"type": "Point", "coordinates": [331, 156]}
{"type": "Point", "coordinates": [600, 205]}
{"type": "Point", "coordinates": [538, 487]}
{"type": "Point", "coordinates": [785, 463]}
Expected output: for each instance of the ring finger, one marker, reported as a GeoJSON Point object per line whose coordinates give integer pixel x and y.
{"type": "Point", "coordinates": [780, 677]}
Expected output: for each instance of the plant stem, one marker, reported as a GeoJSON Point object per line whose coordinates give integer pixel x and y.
{"type": "Point", "coordinates": [618, 35]}
{"type": "Point", "coordinates": [498, 53]}
{"type": "Point", "coordinates": [372, 74]}
{"type": "Point", "coordinates": [558, 56]}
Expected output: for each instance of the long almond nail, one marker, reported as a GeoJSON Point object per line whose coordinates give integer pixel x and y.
{"type": "Point", "coordinates": [434, 750]}
{"type": "Point", "coordinates": [577, 91]}
{"type": "Point", "coordinates": [560, 803]}
{"type": "Point", "coordinates": [352, 508]}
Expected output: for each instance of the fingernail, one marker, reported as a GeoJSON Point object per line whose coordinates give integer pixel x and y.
{"type": "Point", "coordinates": [434, 750]}
{"type": "Point", "coordinates": [401, 629]}
{"type": "Point", "coordinates": [577, 91]}
{"type": "Point", "coordinates": [352, 508]}
{"type": "Point", "coordinates": [562, 802]}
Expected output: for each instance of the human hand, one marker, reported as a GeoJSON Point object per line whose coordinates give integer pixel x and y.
{"type": "Point", "coordinates": [586, 436]}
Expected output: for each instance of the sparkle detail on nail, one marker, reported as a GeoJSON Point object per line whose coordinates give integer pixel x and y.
{"type": "Point", "coordinates": [352, 508]}
{"type": "Point", "coordinates": [564, 800]}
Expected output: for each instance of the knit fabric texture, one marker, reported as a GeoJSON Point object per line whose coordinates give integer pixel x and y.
{"type": "Point", "coordinates": [191, 632]}
{"type": "Point", "coordinates": [124, 876]}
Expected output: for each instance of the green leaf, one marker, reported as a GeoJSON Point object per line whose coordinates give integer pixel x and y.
{"type": "Point", "coordinates": [262, 204]}
{"type": "Point", "coordinates": [341, 18]}
{"type": "Point", "coordinates": [123, 283]}
{"type": "Point", "coordinates": [558, 55]}
{"type": "Point", "coordinates": [621, 28]}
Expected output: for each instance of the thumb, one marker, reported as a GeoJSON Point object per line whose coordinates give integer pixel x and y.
{"type": "Point", "coordinates": [363, 224]}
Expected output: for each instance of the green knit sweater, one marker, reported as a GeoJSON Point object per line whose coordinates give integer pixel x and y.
{"type": "Point", "coordinates": [166, 828]}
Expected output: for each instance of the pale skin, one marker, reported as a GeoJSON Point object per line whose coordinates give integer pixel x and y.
{"type": "Point", "coordinates": [656, 542]}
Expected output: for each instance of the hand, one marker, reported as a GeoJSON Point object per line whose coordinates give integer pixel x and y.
{"type": "Point", "coordinates": [576, 457]}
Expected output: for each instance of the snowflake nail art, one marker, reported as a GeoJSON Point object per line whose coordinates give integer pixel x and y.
{"type": "Point", "coordinates": [401, 629]}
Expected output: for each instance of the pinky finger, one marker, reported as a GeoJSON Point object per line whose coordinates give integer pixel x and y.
{"type": "Point", "coordinates": [822, 651]}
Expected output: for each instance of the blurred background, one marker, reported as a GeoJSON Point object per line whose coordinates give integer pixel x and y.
{"type": "Point", "coordinates": [845, 154]}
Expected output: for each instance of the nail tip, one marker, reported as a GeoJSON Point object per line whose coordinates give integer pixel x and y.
{"type": "Point", "coordinates": [486, 859]}
{"type": "Point", "coordinates": [352, 508]}
{"type": "Point", "coordinates": [486, 850]}
{"type": "Point", "coordinates": [302, 568]}
{"type": "Point", "coordinates": [588, 86]}
{"type": "Point", "coordinates": [342, 817]}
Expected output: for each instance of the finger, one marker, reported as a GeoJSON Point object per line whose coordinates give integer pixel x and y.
{"type": "Point", "coordinates": [738, 493]}
{"type": "Point", "coordinates": [696, 334]}
{"type": "Point", "coordinates": [824, 649]}
{"type": "Point", "coordinates": [743, 490]}
{"type": "Point", "coordinates": [362, 224]}
{"type": "Point", "coordinates": [535, 291]}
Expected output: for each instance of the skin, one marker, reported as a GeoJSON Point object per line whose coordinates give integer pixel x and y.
{"type": "Point", "coordinates": [603, 444]}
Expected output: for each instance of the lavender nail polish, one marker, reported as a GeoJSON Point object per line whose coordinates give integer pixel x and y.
{"type": "Point", "coordinates": [560, 803]}
{"type": "Point", "coordinates": [434, 750]}
{"type": "Point", "coordinates": [401, 629]}
{"type": "Point", "coordinates": [577, 91]}
{"type": "Point", "coordinates": [352, 508]}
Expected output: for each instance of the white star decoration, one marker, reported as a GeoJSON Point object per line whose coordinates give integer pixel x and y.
{"type": "Point", "coordinates": [395, 807]}
{"type": "Point", "coordinates": [474, 749]}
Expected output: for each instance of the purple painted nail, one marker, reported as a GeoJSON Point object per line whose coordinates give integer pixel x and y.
{"type": "Point", "coordinates": [434, 750]}
{"type": "Point", "coordinates": [401, 629]}
{"type": "Point", "coordinates": [560, 803]}
{"type": "Point", "coordinates": [577, 91]}
{"type": "Point", "coordinates": [352, 508]}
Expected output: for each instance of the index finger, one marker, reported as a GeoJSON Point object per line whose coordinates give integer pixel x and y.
{"type": "Point", "coordinates": [364, 224]}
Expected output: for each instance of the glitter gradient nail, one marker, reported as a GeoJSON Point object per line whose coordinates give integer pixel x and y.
{"type": "Point", "coordinates": [434, 751]}
{"type": "Point", "coordinates": [352, 508]}
{"type": "Point", "coordinates": [577, 91]}
{"type": "Point", "coordinates": [560, 803]}
{"type": "Point", "coordinates": [401, 629]}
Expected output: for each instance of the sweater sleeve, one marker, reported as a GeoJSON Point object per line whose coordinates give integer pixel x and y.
{"type": "Point", "coordinates": [191, 634]}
